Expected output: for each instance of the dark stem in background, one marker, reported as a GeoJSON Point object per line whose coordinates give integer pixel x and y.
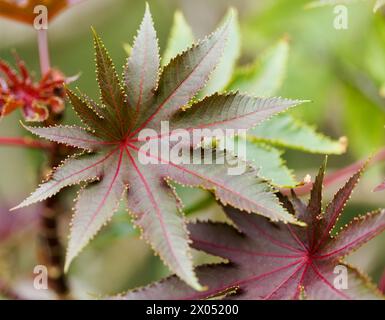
{"type": "Point", "coordinates": [51, 251]}
{"type": "Point", "coordinates": [381, 284]}
{"type": "Point", "coordinates": [42, 40]}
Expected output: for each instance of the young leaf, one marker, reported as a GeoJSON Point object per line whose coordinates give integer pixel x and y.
{"type": "Point", "coordinates": [269, 160]}
{"type": "Point", "coordinates": [224, 71]}
{"type": "Point", "coordinates": [280, 261]}
{"type": "Point", "coordinates": [114, 165]}
{"type": "Point", "coordinates": [265, 76]}
{"type": "Point", "coordinates": [181, 37]}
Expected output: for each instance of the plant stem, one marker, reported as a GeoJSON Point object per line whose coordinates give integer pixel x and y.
{"type": "Point", "coordinates": [339, 175]}
{"type": "Point", "coordinates": [51, 251]}
{"type": "Point", "coordinates": [381, 284]}
{"type": "Point", "coordinates": [42, 39]}
{"type": "Point", "coordinates": [25, 142]}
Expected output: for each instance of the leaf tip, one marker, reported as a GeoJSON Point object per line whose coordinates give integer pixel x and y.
{"type": "Point", "coordinates": [68, 261]}
{"type": "Point", "coordinates": [15, 208]}
{"type": "Point", "coordinates": [381, 187]}
{"type": "Point", "coordinates": [232, 12]}
{"type": "Point", "coordinates": [93, 30]}
{"type": "Point", "coordinates": [28, 128]}
{"type": "Point", "coordinates": [147, 6]}
{"type": "Point", "coordinates": [343, 142]}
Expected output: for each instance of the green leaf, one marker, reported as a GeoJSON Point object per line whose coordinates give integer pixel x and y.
{"type": "Point", "coordinates": [378, 5]}
{"type": "Point", "coordinates": [285, 131]}
{"type": "Point", "coordinates": [181, 38]}
{"type": "Point", "coordinates": [120, 227]}
{"type": "Point", "coordinates": [265, 76]}
{"type": "Point", "coordinates": [127, 48]}
{"type": "Point", "coordinates": [224, 71]}
{"type": "Point", "coordinates": [269, 161]}
{"type": "Point", "coordinates": [194, 200]}
{"type": "Point", "coordinates": [367, 133]}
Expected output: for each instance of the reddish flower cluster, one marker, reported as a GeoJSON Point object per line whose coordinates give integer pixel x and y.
{"type": "Point", "coordinates": [35, 99]}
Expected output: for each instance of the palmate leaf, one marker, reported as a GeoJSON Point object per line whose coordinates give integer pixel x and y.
{"type": "Point", "coordinates": [264, 77]}
{"type": "Point", "coordinates": [113, 166]}
{"type": "Point", "coordinates": [279, 261]}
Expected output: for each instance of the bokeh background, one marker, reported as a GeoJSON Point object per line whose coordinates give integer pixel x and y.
{"type": "Point", "coordinates": [341, 71]}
